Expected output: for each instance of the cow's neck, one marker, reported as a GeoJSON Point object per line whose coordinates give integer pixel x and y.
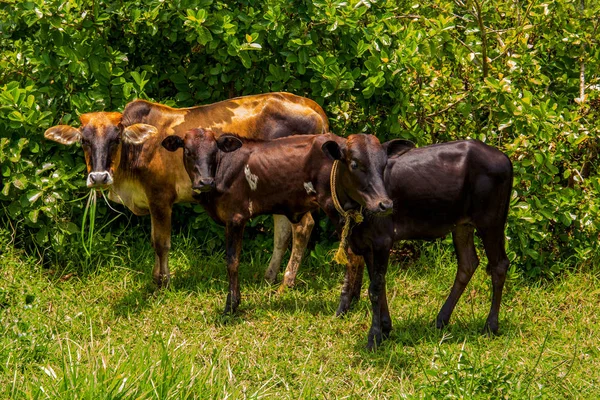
{"type": "Point", "coordinates": [228, 167]}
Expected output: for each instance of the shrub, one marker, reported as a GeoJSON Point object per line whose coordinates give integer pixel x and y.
{"type": "Point", "coordinates": [507, 73]}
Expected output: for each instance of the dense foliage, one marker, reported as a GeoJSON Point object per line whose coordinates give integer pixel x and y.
{"type": "Point", "coordinates": [523, 76]}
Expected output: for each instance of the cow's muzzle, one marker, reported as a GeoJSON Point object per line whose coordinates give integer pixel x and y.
{"type": "Point", "coordinates": [204, 185]}
{"type": "Point", "coordinates": [382, 207]}
{"type": "Point", "coordinates": [96, 179]}
{"type": "Point", "coordinates": [386, 207]}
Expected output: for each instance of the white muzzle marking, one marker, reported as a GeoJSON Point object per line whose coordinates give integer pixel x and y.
{"type": "Point", "coordinates": [102, 178]}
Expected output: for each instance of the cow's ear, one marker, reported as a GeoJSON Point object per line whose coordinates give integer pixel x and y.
{"type": "Point", "coordinates": [63, 134]}
{"type": "Point", "coordinates": [172, 142]}
{"type": "Point", "coordinates": [228, 143]}
{"type": "Point", "coordinates": [333, 150]}
{"type": "Point", "coordinates": [397, 147]}
{"type": "Point", "coordinates": [138, 133]}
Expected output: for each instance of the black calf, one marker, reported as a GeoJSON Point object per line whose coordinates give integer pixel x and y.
{"type": "Point", "coordinates": [454, 187]}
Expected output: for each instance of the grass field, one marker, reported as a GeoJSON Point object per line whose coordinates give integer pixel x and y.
{"type": "Point", "coordinates": [98, 330]}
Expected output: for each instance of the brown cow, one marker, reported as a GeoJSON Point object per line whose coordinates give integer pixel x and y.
{"type": "Point", "coordinates": [289, 176]}
{"type": "Point", "coordinates": [123, 153]}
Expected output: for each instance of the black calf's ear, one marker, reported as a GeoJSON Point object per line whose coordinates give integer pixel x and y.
{"type": "Point", "coordinates": [398, 147]}
{"type": "Point", "coordinates": [172, 142]}
{"type": "Point", "coordinates": [228, 143]}
{"type": "Point", "coordinates": [333, 150]}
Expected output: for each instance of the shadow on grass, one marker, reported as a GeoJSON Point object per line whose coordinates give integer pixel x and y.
{"type": "Point", "coordinates": [293, 301]}
{"type": "Point", "coordinates": [136, 300]}
{"type": "Point", "coordinates": [210, 276]}
{"type": "Point", "coordinates": [417, 331]}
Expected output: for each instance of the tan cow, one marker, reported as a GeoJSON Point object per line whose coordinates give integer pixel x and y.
{"type": "Point", "coordinates": [123, 153]}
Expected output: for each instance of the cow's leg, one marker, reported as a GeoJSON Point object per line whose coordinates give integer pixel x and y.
{"type": "Point", "coordinates": [386, 319]}
{"type": "Point", "coordinates": [161, 241]}
{"type": "Point", "coordinates": [283, 232]}
{"type": "Point", "coordinates": [377, 266]}
{"type": "Point", "coordinates": [352, 283]}
{"type": "Point", "coordinates": [301, 234]}
{"type": "Point", "coordinates": [464, 246]}
{"type": "Point", "coordinates": [234, 232]}
{"type": "Point", "coordinates": [493, 241]}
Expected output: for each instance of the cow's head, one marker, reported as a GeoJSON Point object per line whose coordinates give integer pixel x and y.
{"type": "Point", "coordinates": [362, 163]}
{"type": "Point", "coordinates": [101, 135]}
{"type": "Point", "coordinates": [200, 149]}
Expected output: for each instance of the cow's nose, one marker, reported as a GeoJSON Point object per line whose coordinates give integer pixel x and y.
{"type": "Point", "coordinates": [210, 182]}
{"type": "Point", "coordinates": [386, 206]}
{"type": "Point", "coordinates": [204, 185]}
{"type": "Point", "coordinates": [99, 178]}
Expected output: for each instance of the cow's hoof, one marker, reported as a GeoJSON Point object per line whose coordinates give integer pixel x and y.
{"type": "Point", "coordinates": [162, 281]}
{"type": "Point", "coordinates": [270, 277]}
{"type": "Point", "coordinates": [386, 329]}
{"type": "Point", "coordinates": [374, 340]}
{"type": "Point", "coordinates": [490, 329]}
{"type": "Point", "coordinates": [342, 310]}
{"type": "Point", "coordinates": [374, 343]}
{"type": "Point", "coordinates": [231, 307]}
{"type": "Point", "coordinates": [228, 311]}
{"type": "Point", "coordinates": [441, 322]}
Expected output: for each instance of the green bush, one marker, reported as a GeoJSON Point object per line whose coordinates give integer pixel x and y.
{"type": "Point", "coordinates": [505, 72]}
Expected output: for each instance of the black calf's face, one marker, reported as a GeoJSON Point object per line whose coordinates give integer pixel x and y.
{"type": "Point", "coordinates": [200, 149]}
{"type": "Point", "coordinates": [101, 135]}
{"type": "Point", "coordinates": [364, 159]}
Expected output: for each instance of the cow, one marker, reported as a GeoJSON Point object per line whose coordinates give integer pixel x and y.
{"type": "Point", "coordinates": [236, 179]}
{"type": "Point", "coordinates": [456, 187]}
{"type": "Point", "coordinates": [123, 153]}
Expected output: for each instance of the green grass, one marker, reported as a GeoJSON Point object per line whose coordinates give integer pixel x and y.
{"type": "Point", "coordinates": [97, 330]}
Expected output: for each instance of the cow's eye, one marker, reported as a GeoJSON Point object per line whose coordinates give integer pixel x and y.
{"type": "Point", "coordinates": [85, 142]}
{"type": "Point", "coordinates": [353, 164]}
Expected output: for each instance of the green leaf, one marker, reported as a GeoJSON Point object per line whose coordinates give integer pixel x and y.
{"type": "Point", "coordinates": [204, 35]}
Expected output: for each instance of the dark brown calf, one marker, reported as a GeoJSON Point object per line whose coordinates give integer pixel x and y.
{"type": "Point", "coordinates": [454, 187]}
{"type": "Point", "coordinates": [288, 176]}
{"type": "Point", "coordinates": [123, 153]}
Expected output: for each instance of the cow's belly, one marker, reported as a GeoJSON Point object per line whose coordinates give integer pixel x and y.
{"type": "Point", "coordinates": [132, 195]}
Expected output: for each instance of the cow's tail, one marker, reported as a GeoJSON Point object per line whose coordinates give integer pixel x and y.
{"type": "Point", "coordinates": [508, 195]}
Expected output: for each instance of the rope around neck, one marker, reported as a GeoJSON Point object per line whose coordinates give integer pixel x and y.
{"type": "Point", "coordinates": [341, 257]}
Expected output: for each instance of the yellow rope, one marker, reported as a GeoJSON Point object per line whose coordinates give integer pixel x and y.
{"type": "Point", "coordinates": [341, 257]}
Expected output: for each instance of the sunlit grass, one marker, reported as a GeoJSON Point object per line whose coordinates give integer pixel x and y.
{"type": "Point", "coordinates": [105, 333]}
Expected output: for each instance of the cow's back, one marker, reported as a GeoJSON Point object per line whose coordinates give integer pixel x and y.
{"type": "Point", "coordinates": [264, 116]}
{"type": "Point", "coordinates": [266, 177]}
{"type": "Point", "coordinates": [437, 187]}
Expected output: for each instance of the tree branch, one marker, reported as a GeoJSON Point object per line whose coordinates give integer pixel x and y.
{"type": "Point", "coordinates": [449, 106]}
{"type": "Point", "coordinates": [484, 61]}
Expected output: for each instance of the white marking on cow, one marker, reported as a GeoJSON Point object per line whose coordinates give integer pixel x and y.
{"type": "Point", "coordinates": [251, 178]}
{"type": "Point", "coordinates": [308, 186]}
{"type": "Point", "coordinates": [99, 175]}
{"type": "Point", "coordinates": [250, 210]}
